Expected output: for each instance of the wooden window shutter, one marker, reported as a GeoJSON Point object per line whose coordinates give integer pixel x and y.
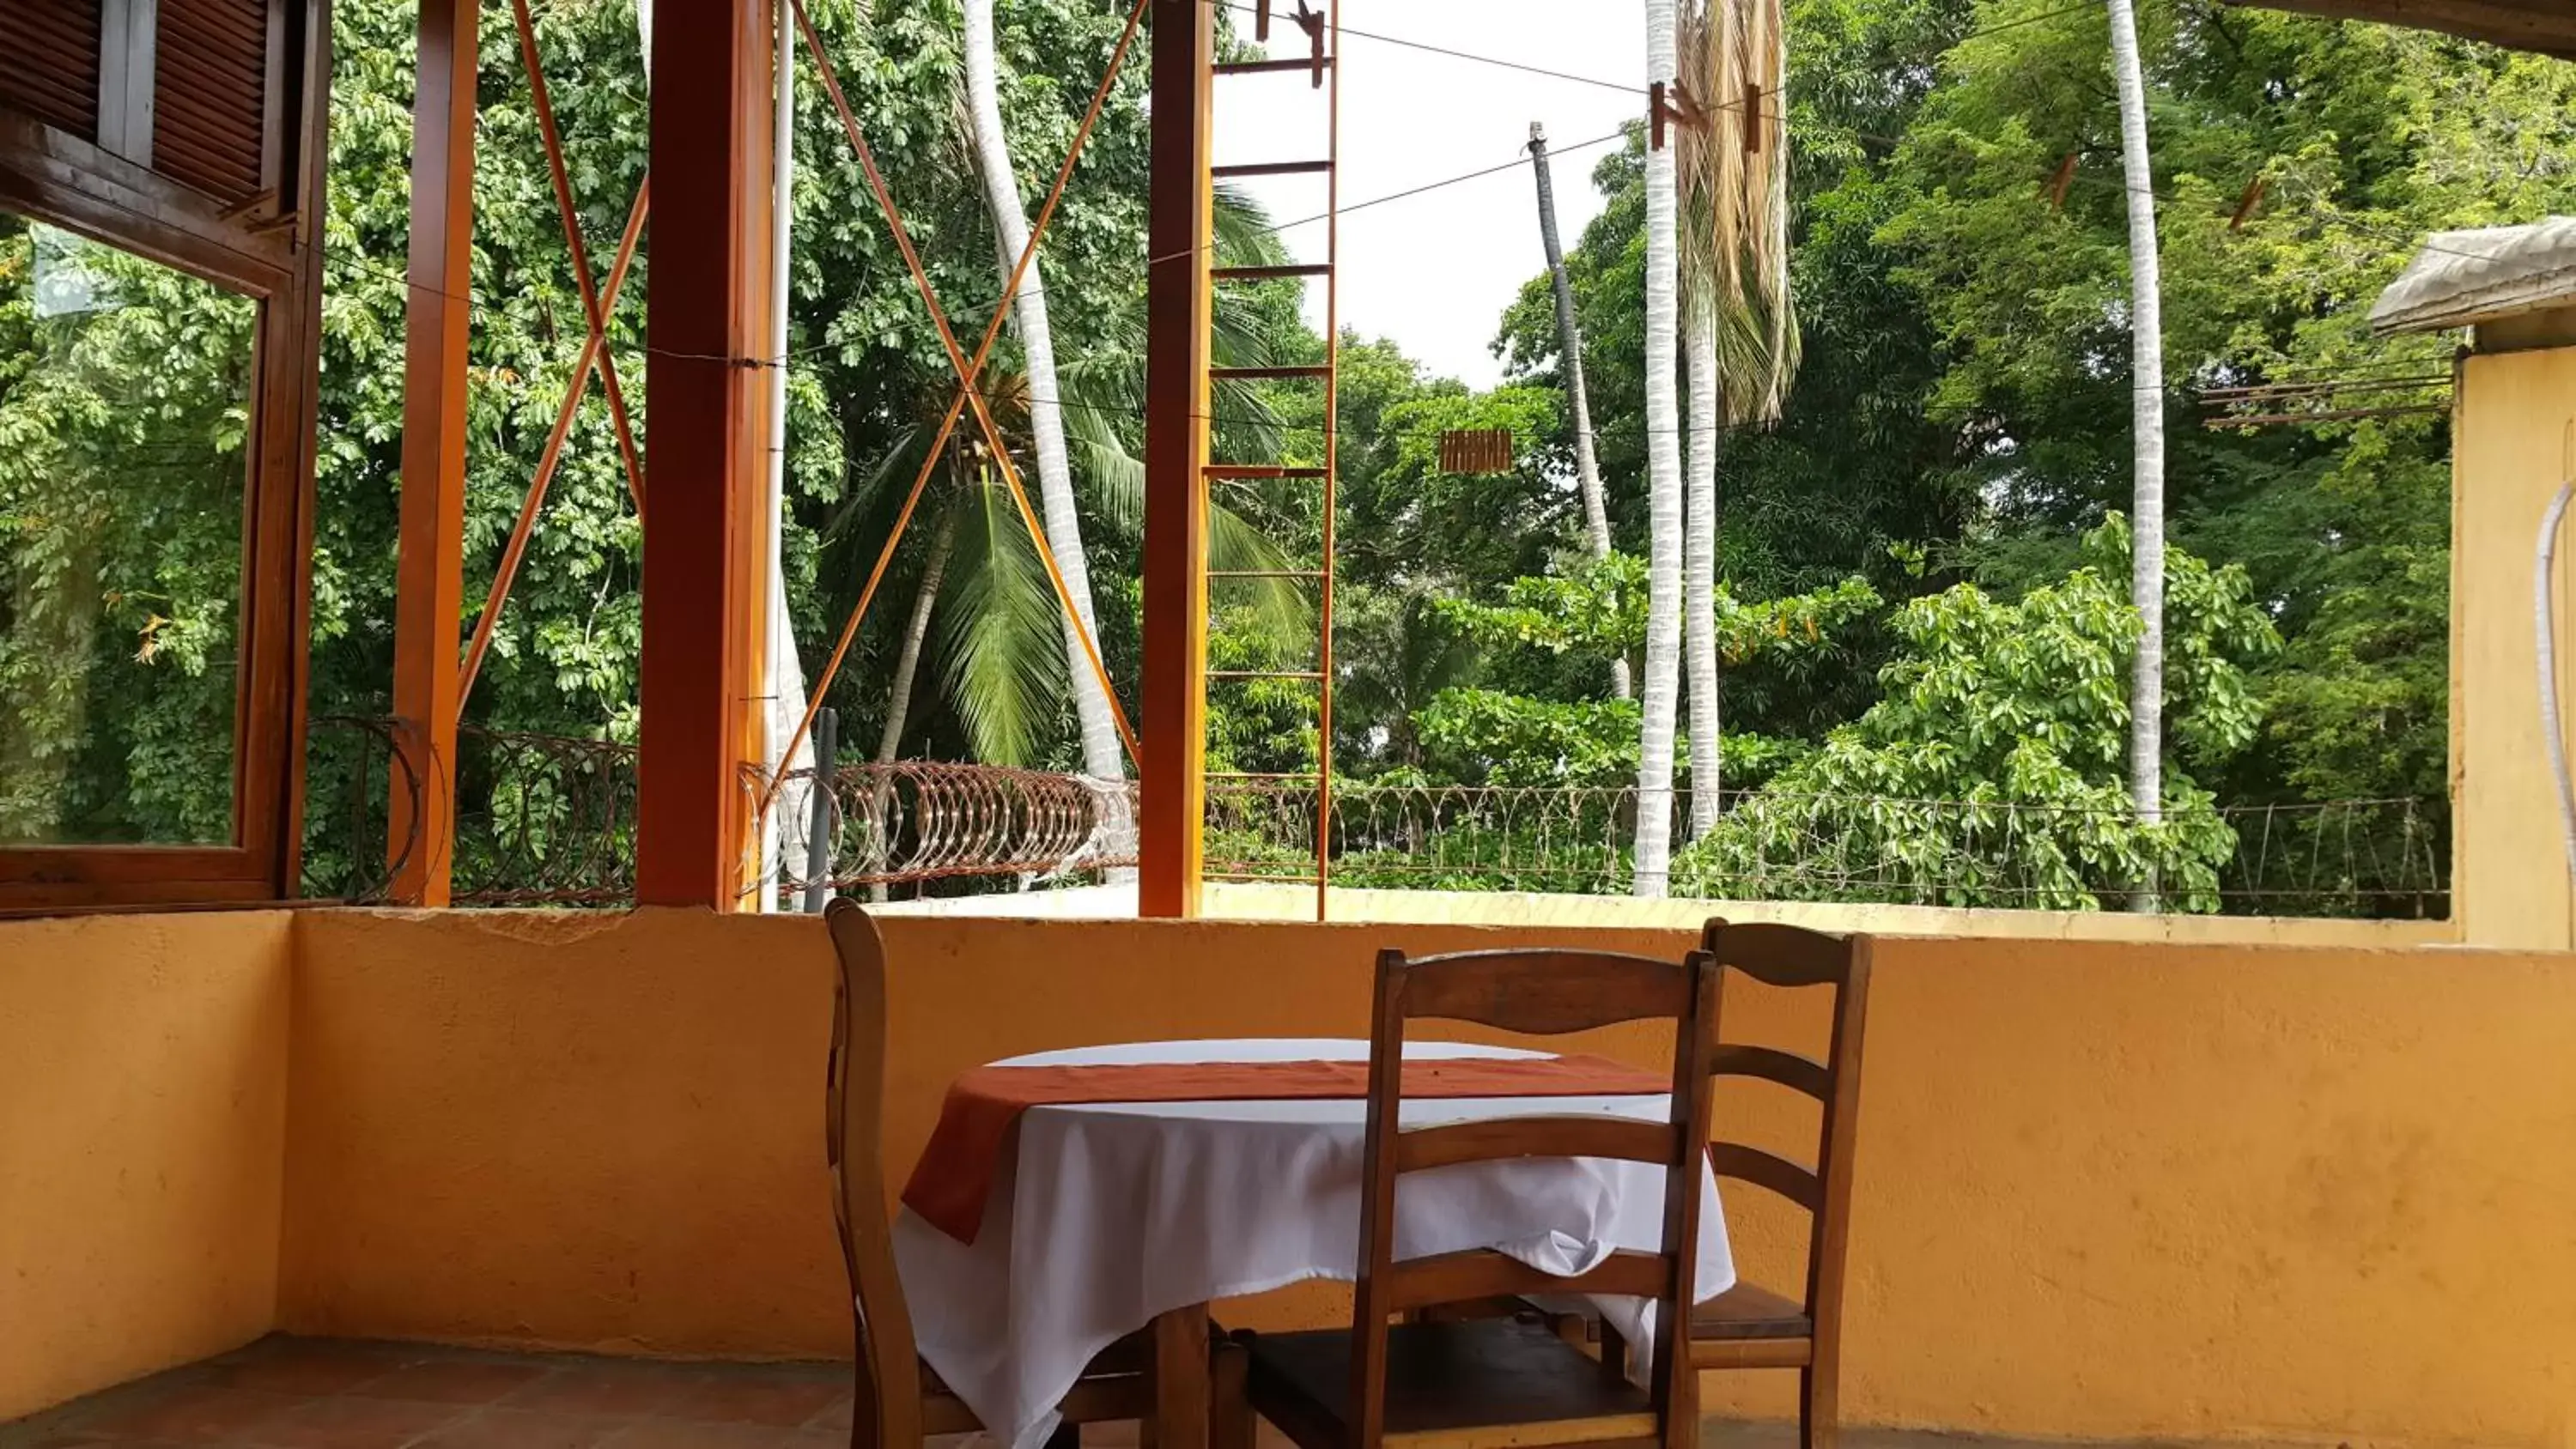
{"type": "Point", "coordinates": [1473, 451]}
{"type": "Point", "coordinates": [212, 92]}
{"type": "Point", "coordinates": [49, 62]}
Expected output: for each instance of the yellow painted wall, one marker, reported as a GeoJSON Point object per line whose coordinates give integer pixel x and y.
{"type": "Point", "coordinates": [2106, 1189]}
{"type": "Point", "coordinates": [2508, 458]}
{"type": "Point", "coordinates": [142, 1130]}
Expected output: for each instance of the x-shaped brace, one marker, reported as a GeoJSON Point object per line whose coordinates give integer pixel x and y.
{"type": "Point", "coordinates": [969, 373]}
{"type": "Point", "coordinates": [597, 305]}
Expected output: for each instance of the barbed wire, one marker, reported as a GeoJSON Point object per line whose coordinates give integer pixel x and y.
{"type": "Point", "coordinates": [549, 819]}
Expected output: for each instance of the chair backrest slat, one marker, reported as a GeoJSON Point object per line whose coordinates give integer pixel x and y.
{"type": "Point", "coordinates": [1480, 1274]}
{"type": "Point", "coordinates": [1799, 1185]}
{"type": "Point", "coordinates": [1544, 992]}
{"type": "Point", "coordinates": [1778, 955]}
{"type": "Point", "coordinates": [1793, 957]}
{"type": "Point", "coordinates": [1622, 1138]}
{"type": "Point", "coordinates": [1535, 993]}
{"type": "Point", "coordinates": [1797, 1073]}
{"type": "Point", "coordinates": [854, 1107]}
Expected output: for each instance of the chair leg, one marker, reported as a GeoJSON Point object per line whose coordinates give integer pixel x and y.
{"type": "Point", "coordinates": [1614, 1355]}
{"type": "Point", "coordinates": [863, 1404]}
{"type": "Point", "coordinates": [1819, 1406]}
{"type": "Point", "coordinates": [1231, 1422]}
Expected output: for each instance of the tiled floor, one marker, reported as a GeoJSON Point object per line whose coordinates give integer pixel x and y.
{"type": "Point", "coordinates": [291, 1393]}
{"type": "Point", "coordinates": [286, 1393]}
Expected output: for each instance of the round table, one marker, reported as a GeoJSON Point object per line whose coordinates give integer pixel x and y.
{"type": "Point", "coordinates": [1106, 1215]}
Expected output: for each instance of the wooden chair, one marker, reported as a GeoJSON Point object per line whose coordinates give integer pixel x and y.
{"type": "Point", "coordinates": [900, 1400]}
{"type": "Point", "coordinates": [1503, 1383]}
{"type": "Point", "coordinates": [1749, 1326]}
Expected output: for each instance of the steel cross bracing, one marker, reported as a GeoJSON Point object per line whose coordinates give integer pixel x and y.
{"type": "Point", "coordinates": [597, 303]}
{"type": "Point", "coordinates": [969, 374]}
{"type": "Point", "coordinates": [1322, 62]}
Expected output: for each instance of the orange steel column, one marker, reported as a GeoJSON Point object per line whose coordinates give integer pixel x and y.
{"type": "Point", "coordinates": [429, 580]}
{"type": "Point", "coordinates": [706, 335]}
{"type": "Point", "coordinates": [1172, 806]}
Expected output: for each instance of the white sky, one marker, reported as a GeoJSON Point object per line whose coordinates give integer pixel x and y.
{"type": "Point", "coordinates": [1434, 272]}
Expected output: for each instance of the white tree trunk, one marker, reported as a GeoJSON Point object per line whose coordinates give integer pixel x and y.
{"type": "Point", "coordinates": [1578, 400]}
{"type": "Point", "coordinates": [907, 665]}
{"type": "Point", "coordinates": [1699, 567]}
{"type": "Point", "coordinates": [785, 828]}
{"type": "Point", "coordinates": [1100, 745]}
{"type": "Point", "coordinates": [1664, 487]}
{"type": "Point", "coordinates": [2147, 413]}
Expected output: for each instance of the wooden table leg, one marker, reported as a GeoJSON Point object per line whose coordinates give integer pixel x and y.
{"type": "Point", "coordinates": [1180, 1381]}
{"type": "Point", "coordinates": [1231, 1422]}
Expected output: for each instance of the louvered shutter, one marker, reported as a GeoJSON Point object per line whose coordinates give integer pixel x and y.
{"type": "Point", "coordinates": [49, 62]}
{"type": "Point", "coordinates": [211, 97]}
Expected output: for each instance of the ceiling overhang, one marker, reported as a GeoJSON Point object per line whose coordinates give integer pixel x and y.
{"type": "Point", "coordinates": [2545, 26]}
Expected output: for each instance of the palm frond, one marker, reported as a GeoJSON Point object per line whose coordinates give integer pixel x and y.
{"type": "Point", "coordinates": [1245, 236]}
{"type": "Point", "coordinates": [1734, 180]}
{"type": "Point", "coordinates": [1001, 647]}
{"type": "Point", "coordinates": [1280, 608]}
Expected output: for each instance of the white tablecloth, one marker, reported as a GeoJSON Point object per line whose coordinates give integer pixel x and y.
{"type": "Point", "coordinates": [1109, 1214]}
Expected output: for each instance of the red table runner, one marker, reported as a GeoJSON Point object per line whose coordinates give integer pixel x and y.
{"type": "Point", "coordinates": [950, 1183]}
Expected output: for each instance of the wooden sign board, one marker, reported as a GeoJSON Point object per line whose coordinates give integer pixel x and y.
{"type": "Point", "coordinates": [1476, 450]}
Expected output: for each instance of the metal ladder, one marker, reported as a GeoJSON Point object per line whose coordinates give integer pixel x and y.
{"type": "Point", "coordinates": [1323, 61]}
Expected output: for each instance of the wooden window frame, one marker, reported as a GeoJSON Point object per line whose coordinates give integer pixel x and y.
{"type": "Point", "coordinates": [269, 252]}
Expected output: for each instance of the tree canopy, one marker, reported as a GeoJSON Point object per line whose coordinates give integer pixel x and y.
{"type": "Point", "coordinates": [1914, 597]}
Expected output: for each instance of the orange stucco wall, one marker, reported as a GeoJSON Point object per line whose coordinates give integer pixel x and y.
{"type": "Point", "coordinates": [142, 1131]}
{"type": "Point", "coordinates": [2107, 1189]}
{"type": "Point", "coordinates": [2508, 458]}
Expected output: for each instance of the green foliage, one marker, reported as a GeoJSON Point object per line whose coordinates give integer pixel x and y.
{"type": "Point", "coordinates": [1990, 772]}
{"type": "Point", "coordinates": [1488, 737]}
{"type": "Point", "coordinates": [1906, 613]}
{"type": "Point", "coordinates": [1593, 607]}
{"type": "Point", "coordinates": [122, 479]}
{"type": "Point", "coordinates": [1596, 611]}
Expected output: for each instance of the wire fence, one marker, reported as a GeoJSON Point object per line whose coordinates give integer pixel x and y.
{"type": "Point", "coordinates": [540, 819]}
{"type": "Point", "coordinates": [549, 820]}
{"type": "Point", "coordinates": [921, 823]}
{"type": "Point", "coordinates": [2374, 858]}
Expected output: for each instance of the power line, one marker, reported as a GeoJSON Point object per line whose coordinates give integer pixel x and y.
{"type": "Point", "coordinates": [1413, 191]}
{"type": "Point", "coordinates": [1348, 31]}
{"type": "Point", "coordinates": [1624, 87]}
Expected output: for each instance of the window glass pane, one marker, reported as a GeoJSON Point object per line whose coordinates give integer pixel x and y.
{"type": "Point", "coordinates": [124, 402]}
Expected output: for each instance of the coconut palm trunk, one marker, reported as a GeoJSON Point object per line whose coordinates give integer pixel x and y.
{"type": "Point", "coordinates": [2147, 417]}
{"type": "Point", "coordinates": [1578, 399]}
{"type": "Point", "coordinates": [785, 671]}
{"type": "Point", "coordinates": [907, 664]}
{"type": "Point", "coordinates": [1661, 686]}
{"type": "Point", "coordinates": [1699, 561]}
{"type": "Point", "coordinates": [1100, 746]}
{"type": "Point", "coordinates": [1739, 334]}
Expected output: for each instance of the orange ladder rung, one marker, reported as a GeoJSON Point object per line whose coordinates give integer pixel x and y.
{"type": "Point", "coordinates": [1268, 274]}
{"type": "Point", "coordinates": [1270, 168]}
{"type": "Point", "coordinates": [1257, 374]}
{"type": "Point", "coordinates": [1259, 470]}
{"type": "Point", "coordinates": [1303, 64]}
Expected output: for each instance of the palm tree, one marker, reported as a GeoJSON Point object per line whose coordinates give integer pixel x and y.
{"type": "Point", "coordinates": [1100, 745]}
{"type": "Point", "coordinates": [1578, 401]}
{"type": "Point", "coordinates": [2147, 417]}
{"type": "Point", "coordinates": [1654, 839]}
{"type": "Point", "coordinates": [983, 611]}
{"type": "Point", "coordinates": [1739, 337]}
